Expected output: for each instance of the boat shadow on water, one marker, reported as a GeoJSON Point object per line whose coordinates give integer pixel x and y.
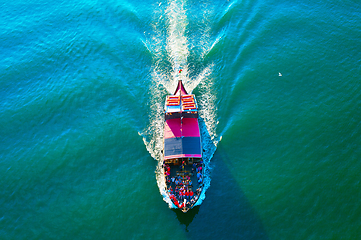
{"type": "Point", "coordinates": [186, 218]}
{"type": "Point", "coordinates": [225, 212]}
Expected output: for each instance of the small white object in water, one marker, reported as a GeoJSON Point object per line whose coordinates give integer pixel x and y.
{"type": "Point", "coordinates": [280, 74]}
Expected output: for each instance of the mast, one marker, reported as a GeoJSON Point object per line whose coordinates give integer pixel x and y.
{"type": "Point", "coordinates": [181, 116]}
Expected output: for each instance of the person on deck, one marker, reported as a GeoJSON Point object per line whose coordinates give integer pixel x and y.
{"type": "Point", "coordinates": [176, 192]}
{"type": "Point", "coordinates": [189, 195]}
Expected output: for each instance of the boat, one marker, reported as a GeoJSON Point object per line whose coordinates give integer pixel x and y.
{"type": "Point", "coordinates": [182, 154]}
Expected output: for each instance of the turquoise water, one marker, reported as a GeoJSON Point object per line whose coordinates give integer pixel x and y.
{"type": "Point", "coordinates": [82, 87]}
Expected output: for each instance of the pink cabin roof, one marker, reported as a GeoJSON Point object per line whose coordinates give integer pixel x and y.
{"type": "Point", "coordinates": [182, 140]}
{"type": "Point", "coordinates": [189, 128]}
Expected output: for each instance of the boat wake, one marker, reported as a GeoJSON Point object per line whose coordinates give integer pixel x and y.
{"type": "Point", "coordinates": [169, 47]}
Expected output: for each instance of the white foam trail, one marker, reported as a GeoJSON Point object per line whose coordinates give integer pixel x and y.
{"type": "Point", "coordinates": [177, 42]}
{"type": "Point", "coordinates": [170, 55]}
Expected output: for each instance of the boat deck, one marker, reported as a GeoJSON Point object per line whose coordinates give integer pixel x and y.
{"type": "Point", "coordinates": [186, 179]}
